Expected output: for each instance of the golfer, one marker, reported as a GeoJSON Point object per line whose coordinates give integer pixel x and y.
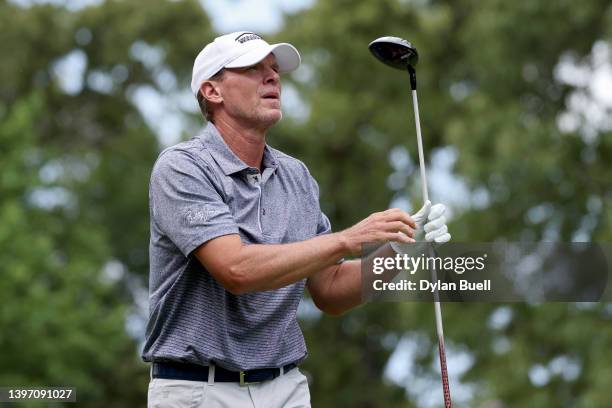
{"type": "Point", "coordinates": [236, 235]}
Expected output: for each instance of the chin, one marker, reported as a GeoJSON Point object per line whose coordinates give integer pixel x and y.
{"type": "Point", "coordinates": [278, 116]}
{"type": "Point", "coordinates": [272, 117]}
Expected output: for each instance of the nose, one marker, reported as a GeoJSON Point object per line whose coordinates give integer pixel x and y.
{"type": "Point", "coordinates": [271, 77]}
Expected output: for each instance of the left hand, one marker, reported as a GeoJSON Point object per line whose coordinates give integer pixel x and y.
{"type": "Point", "coordinates": [435, 227]}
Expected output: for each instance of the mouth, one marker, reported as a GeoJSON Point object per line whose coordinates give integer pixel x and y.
{"type": "Point", "coordinates": [271, 95]}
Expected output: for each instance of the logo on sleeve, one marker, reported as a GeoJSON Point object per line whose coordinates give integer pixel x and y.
{"type": "Point", "coordinates": [200, 215]}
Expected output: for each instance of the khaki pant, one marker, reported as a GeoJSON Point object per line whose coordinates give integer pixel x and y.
{"type": "Point", "coordinates": [290, 390]}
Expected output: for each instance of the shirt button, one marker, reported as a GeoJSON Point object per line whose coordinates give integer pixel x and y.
{"type": "Point", "coordinates": [263, 211]}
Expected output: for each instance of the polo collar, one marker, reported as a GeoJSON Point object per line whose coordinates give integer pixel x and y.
{"type": "Point", "coordinates": [225, 158]}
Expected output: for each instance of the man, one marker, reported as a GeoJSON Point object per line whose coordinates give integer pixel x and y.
{"type": "Point", "coordinates": [236, 235]}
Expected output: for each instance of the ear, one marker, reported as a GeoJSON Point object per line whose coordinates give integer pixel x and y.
{"type": "Point", "coordinates": [211, 92]}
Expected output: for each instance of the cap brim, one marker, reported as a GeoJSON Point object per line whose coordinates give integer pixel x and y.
{"type": "Point", "coordinates": [287, 57]}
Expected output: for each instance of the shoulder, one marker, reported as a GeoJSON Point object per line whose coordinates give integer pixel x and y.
{"type": "Point", "coordinates": [183, 156]}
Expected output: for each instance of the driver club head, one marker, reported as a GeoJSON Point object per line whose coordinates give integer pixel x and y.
{"type": "Point", "coordinates": [395, 52]}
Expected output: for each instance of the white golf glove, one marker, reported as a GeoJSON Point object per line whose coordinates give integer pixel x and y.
{"type": "Point", "coordinates": [435, 225]}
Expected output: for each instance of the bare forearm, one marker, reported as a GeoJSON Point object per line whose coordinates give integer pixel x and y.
{"type": "Point", "coordinates": [247, 268]}
{"type": "Point", "coordinates": [264, 267]}
{"type": "Point", "coordinates": [339, 289]}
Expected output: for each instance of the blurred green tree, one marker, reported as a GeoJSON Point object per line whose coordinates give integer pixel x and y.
{"type": "Point", "coordinates": [492, 97]}
{"type": "Point", "coordinates": [75, 162]}
{"type": "Point", "coordinates": [76, 154]}
{"type": "Point", "coordinates": [62, 322]}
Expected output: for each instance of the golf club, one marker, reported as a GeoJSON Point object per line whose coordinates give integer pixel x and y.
{"type": "Point", "coordinates": [401, 54]}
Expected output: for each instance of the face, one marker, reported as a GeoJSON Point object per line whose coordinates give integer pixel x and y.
{"type": "Point", "coordinates": [252, 94]}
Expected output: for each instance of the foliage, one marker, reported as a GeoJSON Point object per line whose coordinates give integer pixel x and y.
{"type": "Point", "coordinates": [75, 162]}
{"type": "Point", "coordinates": [488, 89]}
{"type": "Point", "coordinates": [74, 171]}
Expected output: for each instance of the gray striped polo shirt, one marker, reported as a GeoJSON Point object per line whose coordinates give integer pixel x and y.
{"type": "Point", "coordinates": [201, 190]}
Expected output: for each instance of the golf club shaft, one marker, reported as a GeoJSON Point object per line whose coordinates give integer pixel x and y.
{"type": "Point", "coordinates": [415, 104]}
{"type": "Point", "coordinates": [437, 306]}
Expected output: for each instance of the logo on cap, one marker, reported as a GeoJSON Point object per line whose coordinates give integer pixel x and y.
{"type": "Point", "coordinates": [244, 37]}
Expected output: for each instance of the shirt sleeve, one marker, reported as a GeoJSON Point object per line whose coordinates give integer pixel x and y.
{"type": "Point", "coordinates": [323, 223]}
{"type": "Point", "coordinates": [323, 226]}
{"type": "Point", "coordinates": [185, 202]}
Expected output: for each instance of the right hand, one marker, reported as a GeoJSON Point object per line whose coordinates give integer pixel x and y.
{"type": "Point", "coordinates": [390, 225]}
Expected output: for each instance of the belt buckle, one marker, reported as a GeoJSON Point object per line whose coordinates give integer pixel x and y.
{"type": "Point", "coordinates": [245, 383]}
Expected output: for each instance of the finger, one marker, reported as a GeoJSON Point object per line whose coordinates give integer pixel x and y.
{"type": "Point", "coordinates": [436, 211]}
{"type": "Point", "coordinates": [435, 224]}
{"type": "Point", "coordinates": [401, 227]}
{"type": "Point", "coordinates": [444, 238]}
{"type": "Point", "coordinates": [431, 236]}
{"type": "Point", "coordinates": [391, 212]}
{"type": "Point", "coordinates": [421, 215]}
{"type": "Point", "coordinates": [399, 237]}
{"type": "Point", "coordinates": [400, 216]}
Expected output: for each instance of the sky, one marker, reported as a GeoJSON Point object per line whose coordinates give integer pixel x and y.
{"type": "Point", "coordinates": [261, 16]}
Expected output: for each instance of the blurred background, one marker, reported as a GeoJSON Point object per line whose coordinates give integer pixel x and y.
{"type": "Point", "coordinates": [516, 109]}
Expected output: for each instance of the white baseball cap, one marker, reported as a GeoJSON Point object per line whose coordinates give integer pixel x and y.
{"type": "Point", "coordinates": [237, 50]}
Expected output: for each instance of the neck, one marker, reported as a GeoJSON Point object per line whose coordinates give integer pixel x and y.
{"type": "Point", "coordinates": [247, 143]}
